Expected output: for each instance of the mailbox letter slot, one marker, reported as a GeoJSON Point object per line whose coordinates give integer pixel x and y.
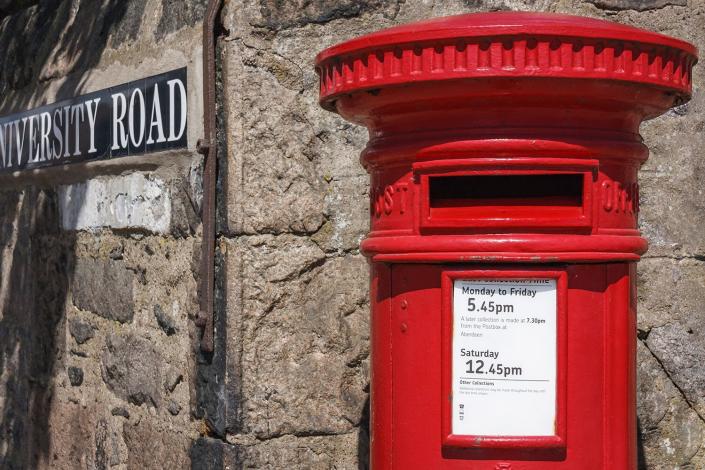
{"type": "Point", "coordinates": [507, 198]}
{"type": "Point", "coordinates": [505, 195]}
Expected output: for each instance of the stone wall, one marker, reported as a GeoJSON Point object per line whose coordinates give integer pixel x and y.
{"type": "Point", "coordinates": [99, 360]}
{"type": "Point", "coordinates": [97, 274]}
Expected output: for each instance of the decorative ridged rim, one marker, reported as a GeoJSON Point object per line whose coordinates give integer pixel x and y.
{"type": "Point", "coordinates": [527, 56]}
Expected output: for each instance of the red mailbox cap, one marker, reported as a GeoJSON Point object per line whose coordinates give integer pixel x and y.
{"type": "Point", "coordinates": [505, 44]}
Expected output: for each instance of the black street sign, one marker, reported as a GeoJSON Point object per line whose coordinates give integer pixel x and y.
{"type": "Point", "coordinates": [144, 116]}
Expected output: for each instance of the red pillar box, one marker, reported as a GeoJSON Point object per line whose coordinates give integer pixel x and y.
{"type": "Point", "coordinates": [503, 153]}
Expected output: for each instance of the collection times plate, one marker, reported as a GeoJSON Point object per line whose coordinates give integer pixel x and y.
{"type": "Point", "coordinates": [504, 357]}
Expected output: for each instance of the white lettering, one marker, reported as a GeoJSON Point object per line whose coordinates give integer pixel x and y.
{"type": "Point", "coordinates": [4, 146]}
{"type": "Point", "coordinates": [57, 135]}
{"type": "Point", "coordinates": [172, 105]}
{"type": "Point", "coordinates": [33, 156]}
{"type": "Point", "coordinates": [119, 109]}
{"type": "Point", "coordinates": [18, 140]}
{"type": "Point", "coordinates": [75, 111]}
{"type": "Point", "coordinates": [131, 117]}
{"type": "Point", "coordinates": [92, 113]}
{"type": "Point", "coordinates": [45, 145]}
{"type": "Point", "coordinates": [156, 111]}
{"type": "Point", "coordinates": [67, 119]}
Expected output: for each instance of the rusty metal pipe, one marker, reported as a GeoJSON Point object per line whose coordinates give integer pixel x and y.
{"type": "Point", "coordinates": [208, 147]}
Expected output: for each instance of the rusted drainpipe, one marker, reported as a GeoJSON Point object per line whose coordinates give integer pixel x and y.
{"type": "Point", "coordinates": [208, 148]}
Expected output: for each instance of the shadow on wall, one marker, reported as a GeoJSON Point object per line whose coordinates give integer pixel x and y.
{"type": "Point", "coordinates": [48, 40]}
{"type": "Point", "coordinates": [34, 277]}
{"type": "Point", "coordinates": [641, 457]}
{"type": "Point", "coordinates": [363, 438]}
{"type": "Point", "coordinates": [59, 39]}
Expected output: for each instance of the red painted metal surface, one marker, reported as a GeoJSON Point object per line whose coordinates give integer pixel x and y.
{"type": "Point", "coordinates": [504, 145]}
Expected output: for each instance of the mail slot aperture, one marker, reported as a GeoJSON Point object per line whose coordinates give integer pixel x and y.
{"type": "Point", "coordinates": [503, 195]}
{"type": "Point", "coordinates": [506, 191]}
{"type": "Point", "coordinates": [511, 199]}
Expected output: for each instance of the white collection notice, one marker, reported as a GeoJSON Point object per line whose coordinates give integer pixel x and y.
{"type": "Point", "coordinates": [504, 357]}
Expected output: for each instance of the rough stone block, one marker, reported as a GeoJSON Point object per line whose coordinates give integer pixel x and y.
{"type": "Point", "coordinates": [80, 330]}
{"type": "Point", "coordinates": [166, 321]}
{"type": "Point", "coordinates": [132, 369]}
{"type": "Point", "coordinates": [179, 14]}
{"type": "Point", "coordinates": [107, 446]}
{"type": "Point", "coordinates": [670, 291]}
{"type": "Point", "coordinates": [120, 411]}
{"type": "Point", "coordinates": [277, 14]}
{"type": "Point", "coordinates": [671, 432]}
{"type": "Point", "coordinates": [347, 215]}
{"type": "Point", "coordinates": [311, 453]}
{"type": "Point", "coordinates": [173, 408]}
{"type": "Point", "coordinates": [672, 194]}
{"type": "Point", "coordinates": [75, 376]}
{"type": "Point", "coordinates": [305, 336]}
{"type": "Point", "coordinates": [681, 350]}
{"type": "Point", "coordinates": [150, 446]}
{"type": "Point", "coordinates": [638, 5]}
{"type": "Point", "coordinates": [671, 315]}
{"type": "Point", "coordinates": [72, 428]}
{"type": "Point", "coordinates": [81, 438]}
{"type": "Point", "coordinates": [280, 189]}
{"type": "Point", "coordinates": [104, 287]}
